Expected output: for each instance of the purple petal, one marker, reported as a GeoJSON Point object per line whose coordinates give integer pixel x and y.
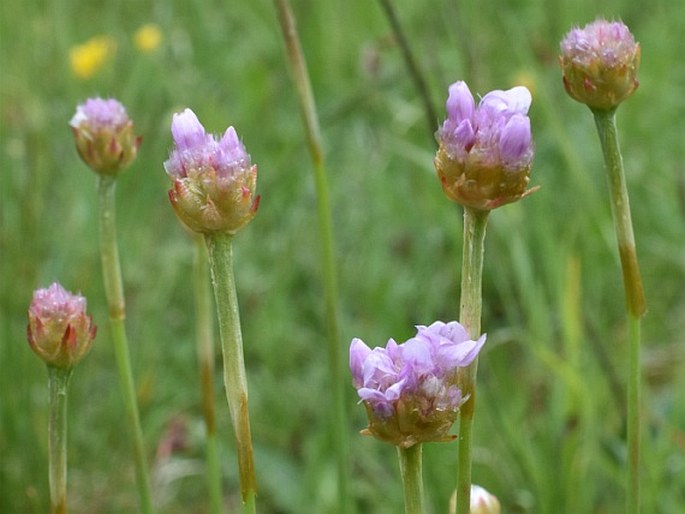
{"type": "Point", "coordinates": [454, 355]}
{"type": "Point", "coordinates": [460, 103]}
{"type": "Point", "coordinates": [187, 131]}
{"type": "Point", "coordinates": [359, 351]}
{"type": "Point", "coordinates": [515, 138]}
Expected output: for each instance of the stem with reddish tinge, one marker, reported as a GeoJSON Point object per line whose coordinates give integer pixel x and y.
{"type": "Point", "coordinates": [475, 223]}
{"type": "Point", "coordinates": [636, 304]}
{"type": "Point", "coordinates": [205, 355]}
{"type": "Point", "coordinates": [235, 381]}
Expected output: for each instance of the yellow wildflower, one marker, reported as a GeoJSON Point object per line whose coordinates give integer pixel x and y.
{"type": "Point", "coordinates": [88, 58]}
{"type": "Point", "coordinates": [148, 38]}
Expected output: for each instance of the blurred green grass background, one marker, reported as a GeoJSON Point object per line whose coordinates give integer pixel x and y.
{"type": "Point", "coordinates": [549, 426]}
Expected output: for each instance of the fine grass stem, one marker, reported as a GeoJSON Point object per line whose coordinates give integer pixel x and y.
{"type": "Point", "coordinates": [114, 291]}
{"type": "Point", "coordinates": [58, 384]}
{"type": "Point", "coordinates": [636, 304]}
{"type": "Point", "coordinates": [205, 355]}
{"type": "Point", "coordinates": [220, 247]}
{"type": "Point", "coordinates": [300, 76]}
{"type": "Point", "coordinates": [412, 478]}
{"type": "Point", "coordinates": [475, 223]}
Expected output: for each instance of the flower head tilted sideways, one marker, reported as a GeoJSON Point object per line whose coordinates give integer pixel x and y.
{"type": "Point", "coordinates": [486, 150]}
{"type": "Point", "coordinates": [59, 330]}
{"type": "Point", "coordinates": [410, 390]}
{"type": "Point", "coordinates": [600, 63]}
{"type": "Point", "coordinates": [104, 136]}
{"type": "Point", "coordinates": [214, 179]}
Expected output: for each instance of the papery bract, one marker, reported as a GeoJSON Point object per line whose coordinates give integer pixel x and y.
{"type": "Point", "coordinates": [59, 330]}
{"type": "Point", "coordinates": [485, 151]}
{"type": "Point", "coordinates": [214, 181]}
{"type": "Point", "coordinates": [410, 390]}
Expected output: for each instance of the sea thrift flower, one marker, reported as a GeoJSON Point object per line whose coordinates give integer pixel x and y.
{"type": "Point", "coordinates": [486, 151]}
{"type": "Point", "coordinates": [599, 64]}
{"type": "Point", "coordinates": [410, 390]}
{"type": "Point", "coordinates": [104, 135]}
{"type": "Point", "coordinates": [87, 59]}
{"type": "Point", "coordinates": [214, 179]}
{"type": "Point", "coordinates": [59, 330]}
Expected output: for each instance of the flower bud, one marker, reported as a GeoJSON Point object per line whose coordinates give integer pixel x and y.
{"type": "Point", "coordinates": [59, 330]}
{"type": "Point", "coordinates": [485, 151]}
{"type": "Point", "coordinates": [482, 502]}
{"type": "Point", "coordinates": [599, 64]}
{"type": "Point", "coordinates": [410, 390]}
{"type": "Point", "coordinates": [104, 136]}
{"type": "Point", "coordinates": [214, 181]}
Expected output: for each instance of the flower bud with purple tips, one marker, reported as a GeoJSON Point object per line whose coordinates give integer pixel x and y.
{"type": "Point", "coordinates": [104, 135]}
{"type": "Point", "coordinates": [59, 330]}
{"type": "Point", "coordinates": [410, 390]}
{"type": "Point", "coordinates": [486, 151]}
{"type": "Point", "coordinates": [599, 64]}
{"type": "Point", "coordinates": [214, 180]}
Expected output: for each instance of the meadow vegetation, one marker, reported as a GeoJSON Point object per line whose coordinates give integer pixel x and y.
{"type": "Point", "coordinates": [549, 426]}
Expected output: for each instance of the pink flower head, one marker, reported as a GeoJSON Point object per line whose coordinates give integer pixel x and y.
{"type": "Point", "coordinates": [104, 135]}
{"type": "Point", "coordinates": [59, 330]}
{"type": "Point", "coordinates": [486, 150]}
{"type": "Point", "coordinates": [410, 390]}
{"type": "Point", "coordinates": [214, 180]}
{"type": "Point", "coordinates": [599, 63]}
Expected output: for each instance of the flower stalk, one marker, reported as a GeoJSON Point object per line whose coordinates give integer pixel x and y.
{"type": "Point", "coordinates": [114, 291]}
{"type": "Point", "coordinates": [58, 383]}
{"type": "Point", "coordinates": [636, 304]}
{"type": "Point", "coordinates": [205, 354]}
{"type": "Point", "coordinates": [221, 264]}
{"type": "Point", "coordinates": [300, 77]}
{"type": "Point", "coordinates": [475, 223]}
{"type": "Point", "coordinates": [412, 478]}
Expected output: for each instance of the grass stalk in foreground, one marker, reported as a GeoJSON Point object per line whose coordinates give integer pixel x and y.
{"type": "Point", "coordinates": [412, 478]}
{"type": "Point", "coordinates": [475, 223]}
{"type": "Point", "coordinates": [220, 249]}
{"type": "Point", "coordinates": [308, 112]}
{"type": "Point", "coordinates": [205, 354]}
{"type": "Point", "coordinates": [636, 304]}
{"type": "Point", "coordinates": [58, 382]}
{"type": "Point", "coordinates": [114, 290]}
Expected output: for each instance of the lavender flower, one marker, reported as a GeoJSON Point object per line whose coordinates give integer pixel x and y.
{"type": "Point", "coordinates": [59, 330]}
{"type": "Point", "coordinates": [214, 180]}
{"type": "Point", "coordinates": [486, 151]}
{"type": "Point", "coordinates": [410, 390]}
{"type": "Point", "coordinates": [600, 63]}
{"type": "Point", "coordinates": [104, 135]}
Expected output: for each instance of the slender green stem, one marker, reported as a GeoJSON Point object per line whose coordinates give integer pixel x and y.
{"type": "Point", "coordinates": [58, 383]}
{"type": "Point", "coordinates": [205, 355]}
{"type": "Point", "coordinates": [412, 478]}
{"type": "Point", "coordinates": [337, 370]}
{"type": "Point", "coordinates": [412, 65]}
{"type": "Point", "coordinates": [114, 290]}
{"type": "Point", "coordinates": [475, 223]}
{"type": "Point", "coordinates": [235, 381]}
{"type": "Point", "coordinates": [636, 304]}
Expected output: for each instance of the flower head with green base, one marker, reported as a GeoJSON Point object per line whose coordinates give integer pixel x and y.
{"type": "Point", "coordinates": [59, 330]}
{"type": "Point", "coordinates": [104, 135]}
{"type": "Point", "coordinates": [214, 179]}
{"type": "Point", "coordinates": [410, 390]}
{"type": "Point", "coordinates": [486, 150]}
{"type": "Point", "coordinates": [600, 63]}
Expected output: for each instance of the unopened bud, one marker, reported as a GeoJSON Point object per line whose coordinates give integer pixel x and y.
{"type": "Point", "coordinates": [482, 502]}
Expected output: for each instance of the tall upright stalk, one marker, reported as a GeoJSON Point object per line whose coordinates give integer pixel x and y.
{"type": "Point", "coordinates": [205, 355]}
{"type": "Point", "coordinates": [636, 304]}
{"type": "Point", "coordinates": [58, 384]}
{"type": "Point", "coordinates": [235, 381]}
{"type": "Point", "coordinates": [300, 76]}
{"type": "Point", "coordinates": [475, 223]}
{"type": "Point", "coordinates": [114, 290]}
{"type": "Point", "coordinates": [412, 478]}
